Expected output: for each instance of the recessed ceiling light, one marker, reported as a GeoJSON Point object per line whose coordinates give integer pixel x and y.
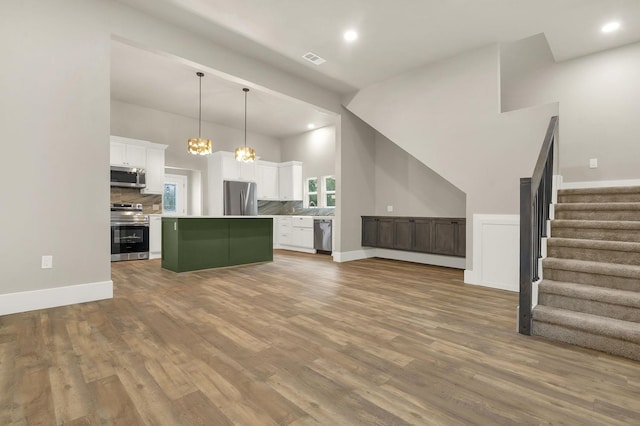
{"type": "Point", "coordinates": [350, 35]}
{"type": "Point", "coordinates": [610, 27]}
{"type": "Point", "coordinates": [311, 126]}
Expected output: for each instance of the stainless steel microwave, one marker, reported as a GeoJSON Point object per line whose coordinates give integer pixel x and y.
{"type": "Point", "coordinates": [128, 177]}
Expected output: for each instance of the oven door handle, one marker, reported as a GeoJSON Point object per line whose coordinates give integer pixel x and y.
{"type": "Point", "coordinates": [129, 224]}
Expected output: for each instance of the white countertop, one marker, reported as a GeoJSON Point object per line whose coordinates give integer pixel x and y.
{"type": "Point", "coordinates": [261, 216]}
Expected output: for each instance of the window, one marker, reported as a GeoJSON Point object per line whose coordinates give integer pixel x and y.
{"type": "Point", "coordinates": [329, 186]}
{"type": "Point", "coordinates": [169, 198]}
{"type": "Point", "coordinates": [311, 192]}
{"type": "Point", "coordinates": [323, 195]}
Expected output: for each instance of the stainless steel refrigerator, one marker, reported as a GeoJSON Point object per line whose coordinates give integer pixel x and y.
{"type": "Point", "coordinates": [240, 198]}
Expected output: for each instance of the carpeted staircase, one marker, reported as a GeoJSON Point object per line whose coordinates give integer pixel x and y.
{"type": "Point", "coordinates": [590, 292]}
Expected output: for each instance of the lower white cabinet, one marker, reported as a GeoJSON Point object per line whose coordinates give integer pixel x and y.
{"type": "Point", "coordinates": [155, 236]}
{"type": "Point", "coordinates": [295, 233]}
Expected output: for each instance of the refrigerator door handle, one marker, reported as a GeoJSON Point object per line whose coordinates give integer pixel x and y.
{"type": "Point", "coordinates": [242, 202]}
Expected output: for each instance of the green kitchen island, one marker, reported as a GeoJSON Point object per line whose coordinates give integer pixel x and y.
{"type": "Point", "coordinates": [190, 243]}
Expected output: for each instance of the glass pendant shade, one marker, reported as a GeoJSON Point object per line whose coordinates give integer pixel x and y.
{"type": "Point", "coordinates": [199, 145]}
{"type": "Point", "coordinates": [244, 153]}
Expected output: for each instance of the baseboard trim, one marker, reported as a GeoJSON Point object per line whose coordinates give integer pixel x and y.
{"type": "Point", "coordinates": [425, 258]}
{"type": "Point", "coordinates": [348, 256]}
{"type": "Point", "coordinates": [600, 183]}
{"type": "Point", "coordinates": [25, 301]}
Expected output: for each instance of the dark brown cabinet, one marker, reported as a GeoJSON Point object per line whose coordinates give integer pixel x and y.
{"type": "Point", "coordinates": [445, 236]}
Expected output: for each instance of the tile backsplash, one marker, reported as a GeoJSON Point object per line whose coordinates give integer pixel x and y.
{"type": "Point", "coordinates": [290, 208]}
{"type": "Point", "coordinates": [151, 203]}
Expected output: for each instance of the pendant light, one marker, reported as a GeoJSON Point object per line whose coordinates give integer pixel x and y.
{"type": "Point", "coordinates": [199, 146]}
{"type": "Point", "coordinates": [245, 153]}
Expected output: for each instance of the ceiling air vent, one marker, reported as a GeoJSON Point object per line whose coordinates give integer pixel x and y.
{"type": "Point", "coordinates": [313, 58]}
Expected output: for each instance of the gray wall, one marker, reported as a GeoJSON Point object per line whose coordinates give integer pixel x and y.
{"type": "Point", "coordinates": [599, 98]}
{"type": "Point", "coordinates": [451, 121]}
{"type": "Point", "coordinates": [355, 180]}
{"type": "Point", "coordinates": [410, 187]}
{"type": "Point", "coordinates": [55, 127]}
{"type": "Point", "coordinates": [315, 148]}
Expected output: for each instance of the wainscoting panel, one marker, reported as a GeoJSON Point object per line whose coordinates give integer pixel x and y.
{"type": "Point", "coordinates": [496, 252]}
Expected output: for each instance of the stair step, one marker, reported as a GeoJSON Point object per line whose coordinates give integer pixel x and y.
{"type": "Point", "coordinates": [604, 302]}
{"type": "Point", "coordinates": [611, 275]}
{"type": "Point", "coordinates": [598, 211]}
{"type": "Point", "coordinates": [621, 252]}
{"type": "Point", "coordinates": [608, 230]}
{"type": "Point", "coordinates": [590, 331]}
{"type": "Point", "coordinates": [619, 194]}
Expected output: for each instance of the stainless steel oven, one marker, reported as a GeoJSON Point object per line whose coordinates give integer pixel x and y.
{"type": "Point", "coordinates": [129, 232]}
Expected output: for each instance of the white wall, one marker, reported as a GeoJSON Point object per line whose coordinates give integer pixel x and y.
{"type": "Point", "coordinates": [410, 187]}
{"type": "Point", "coordinates": [315, 148]}
{"type": "Point", "coordinates": [447, 115]}
{"type": "Point", "coordinates": [599, 98]}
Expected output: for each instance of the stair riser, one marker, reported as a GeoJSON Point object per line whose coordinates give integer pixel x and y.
{"type": "Point", "coordinates": [620, 283]}
{"type": "Point", "coordinates": [625, 313]}
{"type": "Point", "coordinates": [587, 340]}
{"type": "Point", "coordinates": [632, 236]}
{"type": "Point", "coordinates": [608, 256]}
{"type": "Point", "coordinates": [599, 198]}
{"type": "Point", "coordinates": [633, 215]}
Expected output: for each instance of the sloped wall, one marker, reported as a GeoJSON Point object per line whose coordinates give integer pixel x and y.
{"type": "Point", "coordinates": [447, 115]}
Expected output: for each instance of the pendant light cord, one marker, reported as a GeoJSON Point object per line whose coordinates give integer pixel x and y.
{"type": "Point", "coordinates": [200, 107]}
{"type": "Point", "coordinates": [245, 116]}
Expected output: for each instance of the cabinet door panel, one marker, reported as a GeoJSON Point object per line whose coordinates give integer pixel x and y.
{"type": "Point", "coordinates": [117, 154]}
{"type": "Point", "coordinates": [443, 238]}
{"type": "Point", "coordinates": [403, 234]}
{"type": "Point", "coordinates": [369, 232]}
{"type": "Point", "coordinates": [422, 236]}
{"type": "Point", "coordinates": [385, 232]}
{"type": "Point", "coordinates": [136, 156]}
{"type": "Point", "coordinates": [461, 240]}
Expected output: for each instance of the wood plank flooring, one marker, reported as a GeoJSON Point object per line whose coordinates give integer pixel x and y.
{"type": "Point", "coordinates": [301, 341]}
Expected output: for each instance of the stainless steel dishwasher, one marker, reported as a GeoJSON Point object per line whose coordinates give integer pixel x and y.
{"type": "Point", "coordinates": [322, 235]}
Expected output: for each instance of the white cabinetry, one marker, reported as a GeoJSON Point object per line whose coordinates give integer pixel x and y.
{"type": "Point", "coordinates": [155, 172]}
{"type": "Point", "coordinates": [290, 180]}
{"type": "Point", "coordinates": [267, 180]}
{"type": "Point", "coordinates": [155, 236]}
{"type": "Point", "coordinates": [296, 233]}
{"type": "Point", "coordinates": [122, 154]}
{"type": "Point", "coordinates": [146, 155]}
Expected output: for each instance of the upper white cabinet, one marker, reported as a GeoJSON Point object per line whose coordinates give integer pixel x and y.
{"type": "Point", "coordinates": [267, 180]}
{"type": "Point", "coordinates": [290, 180]}
{"type": "Point", "coordinates": [155, 171]}
{"type": "Point", "coordinates": [126, 155]}
{"type": "Point", "coordinates": [141, 154]}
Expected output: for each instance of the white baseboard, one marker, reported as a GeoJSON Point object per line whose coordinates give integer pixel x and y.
{"type": "Point", "coordinates": [601, 183]}
{"type": "Point", "coordinates": [407, 256]}
{"type": "Point", "coordinates": [496, 252]}
{"type": "Point", "coordinates": [348, 256]}
{"type": "Point", "coordinates": [25, 301]}
{"type": "Point", "coordinates": [427, 259]}
{"type": "Point", "coordinates": [296, 248]}
{"type": "Point", "coordinates": [155, 255]}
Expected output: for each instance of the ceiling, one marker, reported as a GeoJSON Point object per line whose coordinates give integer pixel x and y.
{"type": "Point", "coordinates": [161, 82]}
{"type": "Point", "coordinates": [395, 36]}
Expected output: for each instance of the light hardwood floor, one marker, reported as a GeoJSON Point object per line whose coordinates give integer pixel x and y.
{"type": "Point", "coordinates": [301, 341]}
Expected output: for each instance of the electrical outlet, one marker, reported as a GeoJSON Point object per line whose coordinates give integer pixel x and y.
{"type": "Point", "coordinates": [389, 209]}
{"type": "Point", "coordinates": [47, 262]}
{"type": "Point", "coordinates": [156, 207]}
{"type": "Point", "coordinates": [593, 163]}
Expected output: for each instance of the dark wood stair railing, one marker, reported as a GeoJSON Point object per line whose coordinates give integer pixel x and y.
{"type": "Point", "coordinates": [535, 199]}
